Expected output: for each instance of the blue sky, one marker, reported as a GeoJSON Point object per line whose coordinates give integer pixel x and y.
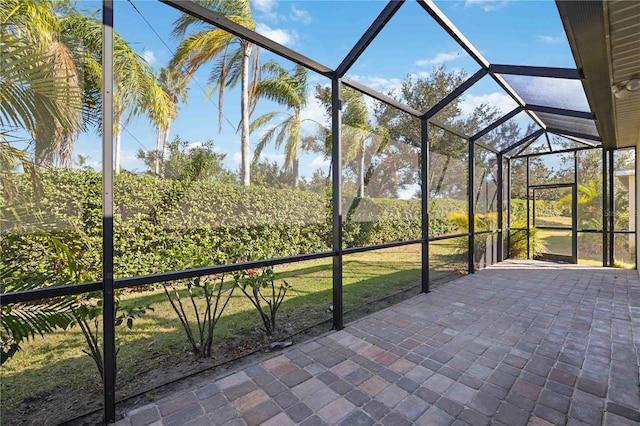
{"type": "Point", "coordinates": [504, 31]}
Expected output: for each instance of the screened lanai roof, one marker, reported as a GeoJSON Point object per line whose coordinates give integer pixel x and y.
{"type": "Point", "coordinates": [553, 99]}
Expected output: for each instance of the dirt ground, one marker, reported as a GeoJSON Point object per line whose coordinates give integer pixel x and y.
{"type": "Point", "coordinates": [172, 373]}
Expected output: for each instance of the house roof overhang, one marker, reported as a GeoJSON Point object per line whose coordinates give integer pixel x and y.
{"type": "Point", "coordinates": [605, 40]}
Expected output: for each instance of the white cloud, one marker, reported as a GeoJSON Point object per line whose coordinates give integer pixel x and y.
{"type": "Point", "coordinates": [128, 155]}
{"type": "Point", "coordinates": [300, 15]}
{"type": "Point", "coordinates": [440, 58]}
{"type": "Point", "coordinates": [237, 157]}
{"type": "Point", "coordinates": [278, 158]}
{"type": "Point", "coordinates": [313, 113]}
{"type": "Point", "coordinates": [319, 162]}
{"type": "Point", "coordinates": [264, 6]}
{"type": "Point", "coordinates": [501, 101]}
{"type": "Point", "coordinates": [149, 56]}
{"type": "Point", "coordinates": [549, 39]}
{"type": "Point", "coordinates": [200, 144]}
{"type": "Point", "coordinates": [261, 131]}
{"type": "Point", "coordinates": [284, 37]}
{"type": "Point", "coordinates": [381, 84]}
{"type": "Point", "coordinates": [421, 74]}
{"type": "Point", "coordinates": [129, 159]}
{"type": "Point", "coordinates": [487, 5]}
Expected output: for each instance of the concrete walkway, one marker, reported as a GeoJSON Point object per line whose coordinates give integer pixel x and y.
{"type": "Point", "coordinates": [519, 343]}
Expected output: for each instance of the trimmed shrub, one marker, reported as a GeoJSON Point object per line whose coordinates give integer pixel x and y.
{"type": "Point", "coordinates": [166, 225]}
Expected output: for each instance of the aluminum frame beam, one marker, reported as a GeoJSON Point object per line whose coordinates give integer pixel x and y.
{"type": "Point", "coordinates": [562, 132]}
{"type": "Point", "coordinates": [448, 128]}
{"type": "Point", "coordinates": [561, 111]}
{"type": "Point", "coordinates": [222, 22]}
{"type": "Point", "coordinates": [424, 202]}
{"type": "Point", "coordinates": [485, 146]}
{"type": "Point", "coordinates": [471, 189]}
{"type": "Point", "coordinates": [522, 141]}
{"type": "Point", "coordinates": [497, 123]}
{"type": "Point", "coordinates": [500, 207]}
{"type": "Point", "coordinates": [560, 151]}
{"type": "Point", "coordinates": [605, 208]}
{"type": "Point", "coordinates": [457, 92]}
{"type": "Point", "coordinates": [108, 296]}
{"type": "Point", "coordinates": [387, 13]}
{"type": "Point", "coordinates": [380, 96]}
{"type": "Point", "coordinates": [430, 7]}
{"type": "Point", "coordinates": [524, 148]}
{"type": "Point", "coordinates": [336, 195]}
{"type": "Point", "coordinates": [533, 71]}
{"type": "Point", "coordinates": [576, 139]}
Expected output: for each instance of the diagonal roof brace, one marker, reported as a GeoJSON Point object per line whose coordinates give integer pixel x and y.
{"type": "Point", "coordinates": [524, 148]}
{"type": "Point", "coordinates": [561, 111]}
{"type": "Point", "coordinates": [430, 7]}
{"type": "Point", "coordinates": [531, 137]}
{"type": "Point", "coordinates": [448, 128]}
{"type": "Point", "coordinates": [220, 21]}
{"type": "Point", "coordinates": [371, 33]}
{"type": "Point", "coordinates": [453, 95]}
{"type": "Point", "coordinates": [576, 139]}
{"type": "Point", "coordinates": [497, 123]}
{"type": "Point", "coordinates": [380, 96]}
{"type": "Point", "coordinates": [531, 71]}
{"type": "Point", "coordinates": [546, 135]}
{"type": "Point", "coordinates": [563, 132]}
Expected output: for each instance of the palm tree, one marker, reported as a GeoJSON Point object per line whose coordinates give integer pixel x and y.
{"type": "Point", "coordinates": [40, 85]}
{"type": "Point", "coordinates": [159, 109]}
{"type": "Point", "coordinates": [208, 43]}
{"type": "Point", "coordinates": [37, 89]}
{"type": "Point", "coordinates": [135, 90]}
{"type": "Point", "coordinates": [72, 43]}
{"type": "Point", "coordinates": [289, 90]}
{"type": "Point", "coordinates": [358, 134]}
{"type": "Point", "coordinates": [174, 84]}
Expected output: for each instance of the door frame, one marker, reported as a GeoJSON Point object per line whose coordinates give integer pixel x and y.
{"type": "Point", "coordinates": [573, 258]}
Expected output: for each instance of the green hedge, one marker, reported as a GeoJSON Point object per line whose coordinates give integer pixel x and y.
{"type": "Point", "coordinates": [165, 225]}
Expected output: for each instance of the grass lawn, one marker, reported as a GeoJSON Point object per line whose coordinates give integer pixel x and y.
{"type": "Point", "coordinates": [589, 245]}
{"type": "Point", "coordinates": [52, 372]}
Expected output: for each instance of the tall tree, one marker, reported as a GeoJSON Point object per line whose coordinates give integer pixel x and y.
{"type": "Point", "coordinates": [37, 88]}
{"type": "Point", "coordinates": [361, 138]}
{"type": "Point", "coordinates": [207, 43]}
{"type": "Point", "coordinates": [450, 152]}
{"type": "Point", "coordinates": [174, 84]}
{"type": "Point", "coordinates": [135, 91]}
{"type": "Point", "coordinates": [40, 84]}
{"type": "Point", "coordinates": [288, 89]}
{"type": "Point", "coordinates": [190, 162]}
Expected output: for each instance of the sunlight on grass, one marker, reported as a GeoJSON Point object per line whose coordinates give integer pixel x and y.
{"type": "Point", "coordinates": [55, 361]}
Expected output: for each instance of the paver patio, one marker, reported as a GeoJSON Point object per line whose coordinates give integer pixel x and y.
{"type": "Point", "coordinates": [522, 342]}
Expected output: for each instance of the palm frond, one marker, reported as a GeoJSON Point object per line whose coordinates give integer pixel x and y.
{"type": "Point", "coordinates": [264, 141]}
{"type": "Point", "coordinates": [262, 120]}
{"type": "Point", "coordinates": [32, 92]}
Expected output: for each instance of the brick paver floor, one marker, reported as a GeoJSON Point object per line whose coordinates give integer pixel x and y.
{"type": "Point", "coordinates": [520, 343]}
